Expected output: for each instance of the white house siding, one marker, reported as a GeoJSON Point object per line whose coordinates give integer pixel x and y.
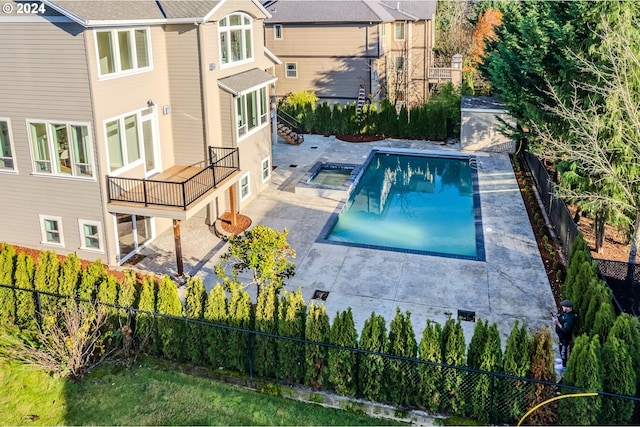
{"type": "Point", "coordinates": [43, 76]}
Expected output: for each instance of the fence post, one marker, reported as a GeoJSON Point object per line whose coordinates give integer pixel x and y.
{"type": "Point", "coordinates": [38, 312]}
{"type": "Point", "coordinates": [250, 354]}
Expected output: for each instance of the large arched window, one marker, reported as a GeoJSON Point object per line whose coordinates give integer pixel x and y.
{"type": "Point", "coordinates": [236, 38]}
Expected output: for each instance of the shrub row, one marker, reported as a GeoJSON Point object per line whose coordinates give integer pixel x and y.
{"type": "Point", "coordinates": [437, 119]}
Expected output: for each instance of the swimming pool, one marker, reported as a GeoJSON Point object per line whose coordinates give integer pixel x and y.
{"type": "Point", "coordinates": [413, 202]}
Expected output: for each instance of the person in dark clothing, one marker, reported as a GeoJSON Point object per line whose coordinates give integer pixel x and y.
{"type": "Point", "coordinates": [565, 322]}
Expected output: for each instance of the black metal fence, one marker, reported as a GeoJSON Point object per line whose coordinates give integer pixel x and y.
{"type": "Point", "coordinates": [439, 389]}
{"type": "Point", "coordinates": [622, 278]}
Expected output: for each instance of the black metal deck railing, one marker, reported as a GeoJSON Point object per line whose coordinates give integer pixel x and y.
{"type": "Point", "coordinates": [222, 163]}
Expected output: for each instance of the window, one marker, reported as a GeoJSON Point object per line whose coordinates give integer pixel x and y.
{"type": "Point", "coordinates": [277, 32]}
{"type": "Point", "coordinates": [291, 70]}
{"type": "Point", "coordinates": [399, 35]}
{"type": "Point", "coordinates": [51, 229]}
{"type": "Point", "coordinates": [90, 235]}
{"type": "Point", "coordinates": [383, 34]}
{"type": "Point", "coordinates": [252, 110]}
{"type": "Point", "coordinates": [236, 38]}
{"type": "Point", "coordinates": [61, 149]}
{"type": "Point", "coordinates": [399, 63]}
{"type": "Point", "coordinates": [244, 187]}
{"type": "Point", "coordinates": [123, 51]}
{"type": "Point", "coordinates": [123, 140]}
{"type": "Point", "coordinates": [6, 147]}
{"type": "Point", "coordinates": [266, 169]}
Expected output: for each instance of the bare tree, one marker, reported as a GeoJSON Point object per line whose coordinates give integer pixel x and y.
{"type": "Point", "coordinates": [601, 138]}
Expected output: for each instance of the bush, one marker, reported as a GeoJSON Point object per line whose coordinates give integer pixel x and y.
{"type": "Point", "coordinates": [146, 327]}
{"type": "Point", "coordinates": [240, 316]}
{"type": "Point", "coordinates": [266, 320]}
{"type": "Point", "coordinates": [170, 331]}
{"type": "Point", "coordinates": [195, 302]}
{"type": "Point", "coordinates": [371, 372]}
{"type": "Point", "coordinates": [401, 387]}
{"type": "Point", "coordinates": [317, 329]}
{"type": "Point", "coordinates": [342, 363]}
{"type": "Point", "coordinates": [7, 295]}
{"type": "Point", "coordinates": [26, 316]}
{"type": "Point", "coordinates": [453, 349]}
{"type": "Point", "coordinates": [215, 338]}
{"type": "Point", "coordinates": [291, 323]}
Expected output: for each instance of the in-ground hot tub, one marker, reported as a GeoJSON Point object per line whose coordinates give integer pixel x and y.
{"type": "Point", "coordinates": [330, 180]}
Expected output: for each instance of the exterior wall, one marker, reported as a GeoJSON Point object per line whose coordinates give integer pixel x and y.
{"type": "Point", "coordinates": [479, 131]}
{"type": "Point", "coordinates": [332, 60]}
{"type": "Point", "coordinates": [45, 78]}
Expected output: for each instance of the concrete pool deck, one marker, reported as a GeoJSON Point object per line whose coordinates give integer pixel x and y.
{"type": "Point", "coordinates": [511, 284]}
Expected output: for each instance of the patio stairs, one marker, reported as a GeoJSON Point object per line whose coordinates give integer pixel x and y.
{"type": "Point", "coordinates": [289, 128]}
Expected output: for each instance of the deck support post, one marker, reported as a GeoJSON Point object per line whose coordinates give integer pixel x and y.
{"type": "Point", "coordinates": [178, 244]}
{"type": "Point", "coordinates": [232, 199]}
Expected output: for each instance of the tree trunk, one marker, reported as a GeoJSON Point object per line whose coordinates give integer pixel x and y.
{"type": "Point", "coordinates": [599, 225]}
{"type": "Point", "coordinates": [633, 250]}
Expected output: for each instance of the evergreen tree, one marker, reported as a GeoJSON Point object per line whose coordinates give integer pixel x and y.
{"type": "Point", "coordinates": [317, 329]}
{"type": "Point", "coordinates": [337, 126]}
{"type": "Point", "coordinates": [517, 362]}
{"type": "Point", "coordinates": [26, 317]}
{"type": "Point", "coordinates": [127, 299]}
{"type": "Point", "coordinates": [70, 274]}
{"type": "Point", "coordinates": [342, 362]}
{"type": "Point", "coordinates": [440, 121]}
{"type": "Point", "coordinates": [600, 294]}
{"type": "Point", "coordinates": [171, 331]}
{"type": "Point", "coordinates": [266, 320]}
{"type": "Point", "coordinates": [430, 376]}
{"type": "Point", "coordinates": [542, 360]}
{"type": "Point", "coordinates": [108, 295]}
{"type": "Point", "coordinates": [625, 329]}
{"type": "Point", "coordinates": [403, 123]}
{"type": "Point", "coordinates": [195, 302]}
{"type": "Point", "coordinates": [474, 360]}
{"type": "Point", "coordinates": [371, 373]}
{"type": "Point", "coordinates": [490, 361]}
{"type": "Point", "coordinates": [46, 279]}
{"type": "Point", "coordinates": [240, 316]}
{"type": "Point", "coordinates": [584, 369]}
{"type": "Point", "coordinates": [215, 337]}
{"type": "Point", "coordinates": [401, 374]}
{"type": "Point", "coordinates": [453, 350]}
{"type": "Point", "coordinates": [619, 378]}
{"type": "Point", "coordinates": [146, 325]}
{"type": "Point", "coordinates": [92, 276]}
{"type": "Point", "coordinates": [7, 295]}
{"type": "Point", "coordinates": [388, 119]}
{"type": "Point", "coordinates": [603, 321]}
{"type": "Point", "coordinates": [291, 323]}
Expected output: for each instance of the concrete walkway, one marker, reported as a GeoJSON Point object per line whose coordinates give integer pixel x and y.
{"type": "Point", "coordinates": [511, 284]}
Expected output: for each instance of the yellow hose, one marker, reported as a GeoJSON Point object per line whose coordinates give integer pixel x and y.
{"type": "Point", "coordinates": [564, 396]}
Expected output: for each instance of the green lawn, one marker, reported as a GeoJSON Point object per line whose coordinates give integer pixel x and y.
{"type": "Point", "coordinates": [149, 395]}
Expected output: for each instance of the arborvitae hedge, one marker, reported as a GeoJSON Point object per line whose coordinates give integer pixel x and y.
{"type": "Point", "coordinates": [127, 297]}
{"type": "Point", "coordinates": [342, 363]}
{"type": "Point", "coordinates": [603, 321]}
{"type": "Point", "coordinates": [619, 378]}
{"type": "Point", "coordinates": [266, 320]}
{"type": "Point", "coordinates": [46, 279]}
{"type": "Point", "coordinates": [453, 351]}
{"type": "Point", "coordinates": [517, 361]}
{"type": "Point", "coordinates": [7, 296]}
{"type": "Point", "coordinates": [92, 276]}
{"type": "Point", "coordinates": [317, 329]}
{"type": "Point", "coordinates": [490, 361]}
{"type": "Point", "coordinates": [146, 326]}
{"type": "Point", "coordinates": [542, 362]}
{"type": "Point", "coordinates": [215, 339]}
{"type": "Point", "coordinates": [371, 373]}
{"type": "Point", "coordinates": [25, 301]}
{"type": "Point", "coordinates": [70, 274]}
{"type": "Point", "coordinates": [474, 360]}
{"type": "Point", "coordinates": [429, 393]}
{"type": "Point", "coordinates": [240, 316]}
{"type": "Point", "coordinates": [171, 331]}
{"type": "Point", "coordinates": [401, 374]}
{"type": "Point", "coordinates": [625, 328]}
{"type": "Point", "coordinates": [291, 323]}
{"type": "Point", "coordinates": [584, 369]}
{"type": "Point", "coordinates": [195, 302]}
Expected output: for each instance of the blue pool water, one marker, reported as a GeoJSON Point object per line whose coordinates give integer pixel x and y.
{"type": "Point", "coordinates": [414, 203]}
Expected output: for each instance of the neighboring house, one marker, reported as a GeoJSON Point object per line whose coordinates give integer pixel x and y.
{"type": "Point", "coordinates": [119, 119]}
{"type": "Point", "coordinates": [335, 47]}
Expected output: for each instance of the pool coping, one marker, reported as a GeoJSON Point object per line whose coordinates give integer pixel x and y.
{"type": "Point", "coordinates": [304, 186]}
{"type": "Point", "coordinates": [477, 209]}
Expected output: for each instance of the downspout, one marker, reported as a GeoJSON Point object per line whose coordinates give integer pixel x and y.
{"type": "Point", "coordinates": [424, 61]}
{"type": "Point", "coordinates": [366, 53]}
{"type": "Point", "coordinates": [204, 108]}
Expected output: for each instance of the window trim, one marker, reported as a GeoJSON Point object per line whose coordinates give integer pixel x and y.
{"type": "Point", "coordinates": [286, 70]}
{"type": "Point", "coordinates": [266, 160]}
{"type": "Point", "coordinates": [404, 31]}
{"type": "Point", "coordinates": [11, 147]}
{"type": "Point", "coordinates": [83, 236]}
{"type": "Point", "coordinates": [383, 34]}
{"type": "Point", "coordinates": [243, 48]}
{"type": "Point", "coordinates": [43, 230]}
{"type": "Point", "coordinates": [262, 117]}
{"type": "Point", "coordinates": [278, 32]}
{"type": "Point", "coordinates": [128, 165]}
{"type": "Point", "coordinates": [51, 149]}
{"type": "Point", "coordinates": [248, 186]}
{"type": "Point", "coordinates": [115, 47]}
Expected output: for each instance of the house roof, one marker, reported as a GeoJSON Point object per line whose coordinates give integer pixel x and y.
{"type": "Point", "coordinates": [94, 13]}
{"type": "Point", "coordinates": [241, 82]}
{"type": "Point", "coordinates": [336, 11]}
{"type": "Point", "coordinates": [482, 103]}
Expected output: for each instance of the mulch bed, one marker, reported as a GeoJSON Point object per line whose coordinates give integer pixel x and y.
{"type": "Point", "coordinates": [242, 223]}
{"type": "Point", "coordinates": [359, 138]}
